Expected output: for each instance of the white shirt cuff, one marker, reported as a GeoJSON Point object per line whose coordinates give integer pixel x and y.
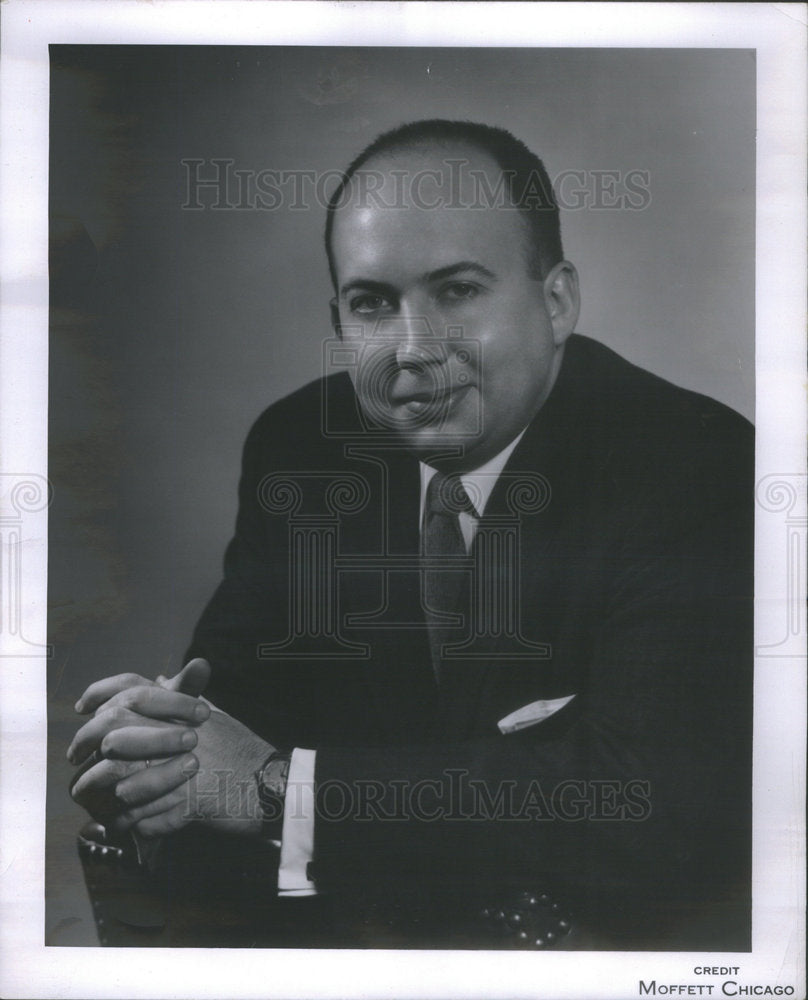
{"type": "Point", "coordinates": [297, 839]}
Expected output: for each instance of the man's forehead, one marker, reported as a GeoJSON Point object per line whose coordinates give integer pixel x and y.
{"type": "Point", "coordinates": [423, 207]}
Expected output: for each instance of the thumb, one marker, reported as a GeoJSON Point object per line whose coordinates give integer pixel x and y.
{"type": "Point", "coordinates": [192, 679]}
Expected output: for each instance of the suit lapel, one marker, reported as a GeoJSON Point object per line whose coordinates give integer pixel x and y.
{"type": "Point", "coordinates": [540, 462]}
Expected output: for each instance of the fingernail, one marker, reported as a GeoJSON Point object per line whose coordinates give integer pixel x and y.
{"type": "Point", "coordinates": [190, 765]}
{"type": "Point", "coordinates": [201, 712]}
{"type": "Point", "coordinates": [70, 755]}
{"type": "Point", "coordinates": [79, 706]}
{"type": "Point", "coordinates": [189, 740]}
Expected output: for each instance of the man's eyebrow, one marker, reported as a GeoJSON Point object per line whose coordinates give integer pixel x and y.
{"type": "Point", "coordinates": [366, 284]}
{"type": "Point", "coordinates": [461, 267]}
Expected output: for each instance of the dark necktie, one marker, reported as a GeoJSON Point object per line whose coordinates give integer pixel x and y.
{"type": "Point", "coordinates": [446, 588]}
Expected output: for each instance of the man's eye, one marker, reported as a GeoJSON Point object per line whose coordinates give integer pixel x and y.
{"type": "Point", "coordinates": [460, 291]}
{"type": "Point", "coordinates": [367, 303]}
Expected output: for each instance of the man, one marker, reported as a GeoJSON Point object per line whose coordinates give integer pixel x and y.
{"type": "Point", "coordinates": [484, 637]}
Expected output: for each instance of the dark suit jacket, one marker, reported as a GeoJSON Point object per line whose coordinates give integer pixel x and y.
{"type": "Point", "coordinates": [634, 573]}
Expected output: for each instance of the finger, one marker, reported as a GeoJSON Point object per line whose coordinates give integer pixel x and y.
{"type": "Point", "coordinates": [102, 778]}
{"type": "Point", "coordinates": [148, 742]}
{"type": "Point", "coordinates": [101, 691]}
{"type": "Point", "coordinates": [192, 679]}
{"type": "Point", "coordinates": [128, 819]}
{"type": "Point", "coordinates": [91, 735]}
{"type": "Point", "coordinates": [150, 783]}
{"type": "Point", "coordinates": [159, 703]}
{"type": "Point", "coordinates": [165, 823]}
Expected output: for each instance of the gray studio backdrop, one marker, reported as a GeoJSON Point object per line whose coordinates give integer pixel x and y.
{"type": "Point", "coordinates": [172, 328]}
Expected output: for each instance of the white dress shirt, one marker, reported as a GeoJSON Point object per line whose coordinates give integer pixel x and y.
{"type": "Point", "coordinates": [297, 839]}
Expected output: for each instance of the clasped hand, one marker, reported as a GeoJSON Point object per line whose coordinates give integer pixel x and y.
{"type": "Point", "coordinates": [155, 756]}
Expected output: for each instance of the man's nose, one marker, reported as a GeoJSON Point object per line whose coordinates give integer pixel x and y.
{"type": "Point", "coordinates": [417, 347]}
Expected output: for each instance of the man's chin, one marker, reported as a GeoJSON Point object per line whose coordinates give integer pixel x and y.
{"type": "Point", "coordinates": [428, 443]}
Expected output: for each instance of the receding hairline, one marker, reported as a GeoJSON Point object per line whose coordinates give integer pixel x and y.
{"type": "Point", "coordinates": [423, 148]}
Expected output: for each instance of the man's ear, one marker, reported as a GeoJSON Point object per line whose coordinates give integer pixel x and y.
{"type": "Point", "coordinates": [563, 300]}
{"type": "Point", "coordinates": [335, 323]}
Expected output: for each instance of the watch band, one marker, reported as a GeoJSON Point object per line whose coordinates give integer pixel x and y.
{"type": "Point", "coordinates": [270, 780]}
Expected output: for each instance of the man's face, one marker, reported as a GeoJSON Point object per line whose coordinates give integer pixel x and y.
{"type": "Point", "coordinates": [457, 345]}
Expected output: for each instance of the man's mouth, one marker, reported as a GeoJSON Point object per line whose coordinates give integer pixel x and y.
{"type": "Point", "coordinates": [417, 402]}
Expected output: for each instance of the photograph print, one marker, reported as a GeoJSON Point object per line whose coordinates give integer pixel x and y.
{"type": "Point", "coordinates": [401, 544]}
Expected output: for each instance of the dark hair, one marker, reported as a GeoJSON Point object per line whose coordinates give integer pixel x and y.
{"type": "Point", "coordinates": [526, 182]}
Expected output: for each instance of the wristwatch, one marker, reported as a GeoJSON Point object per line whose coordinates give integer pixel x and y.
{"type": "Point", "coordinates": [270, 780]}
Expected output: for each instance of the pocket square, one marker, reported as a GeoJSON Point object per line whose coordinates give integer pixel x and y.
{"type": "Point", "coordinates": [532, 714]}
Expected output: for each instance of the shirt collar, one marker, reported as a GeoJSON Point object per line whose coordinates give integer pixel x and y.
{"type": "Point", "coordinates": [478, 483]}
